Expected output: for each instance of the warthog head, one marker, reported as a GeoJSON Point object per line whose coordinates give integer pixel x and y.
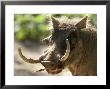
{"type": "Point", "coordinates": [59, 44]}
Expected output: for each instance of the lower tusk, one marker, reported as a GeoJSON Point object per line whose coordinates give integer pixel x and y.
{"type": "Point", "coordinates": [46, 61]}
{"type": "Point", "coordinates": [67, 51]}
{"type": "Point", "coordinates": [40, 70]}
{"type": "Point", "coordinates": [26, 59]}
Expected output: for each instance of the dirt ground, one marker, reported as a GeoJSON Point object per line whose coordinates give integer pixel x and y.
{"type": "Point", "coordinates": [31, 50]}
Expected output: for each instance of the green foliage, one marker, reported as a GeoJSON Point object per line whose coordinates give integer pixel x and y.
{"type": "Point", "coordinates": [31, 27]}
{"type": "Point", "coordinates": [35, 26]}
{"type": "Point", "coordinates": [93, 19]}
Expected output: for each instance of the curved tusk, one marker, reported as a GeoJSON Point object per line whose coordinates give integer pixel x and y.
{"type": "Point", "coordinates": [67, 51]}
{"type": "Point", "coordinates": [26, 59]}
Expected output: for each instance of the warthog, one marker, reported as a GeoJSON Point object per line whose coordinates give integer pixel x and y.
{"type": "Point", "coordinates": [72, 45]}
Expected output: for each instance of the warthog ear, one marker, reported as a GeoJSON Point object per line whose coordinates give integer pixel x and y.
{"type": "Point", "coordinates": [82, 23]}
{"type": "Point", "coordinates": [55, 22]}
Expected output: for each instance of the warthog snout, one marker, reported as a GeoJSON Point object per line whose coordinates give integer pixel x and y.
{"type": "Point", "coordinates": [51, 60]}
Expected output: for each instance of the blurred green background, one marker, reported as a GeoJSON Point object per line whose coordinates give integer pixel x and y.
{"type": "Point", "coordinates": [34, 27]}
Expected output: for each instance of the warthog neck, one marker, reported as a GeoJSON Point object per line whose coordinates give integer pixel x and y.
{"type": "Point", "coordinates": [83, 58]}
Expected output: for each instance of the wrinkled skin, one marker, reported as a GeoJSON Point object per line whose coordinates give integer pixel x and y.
{"type": "Point", "coordinates": [81, 58]}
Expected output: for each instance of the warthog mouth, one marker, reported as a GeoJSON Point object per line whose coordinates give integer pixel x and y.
{"type": "Point", "coordinates": [51, 66]}
{"type": "Point", "coordinates": [54, 69]}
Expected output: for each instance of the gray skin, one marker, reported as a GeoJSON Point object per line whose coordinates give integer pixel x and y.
{"type": "Point", "coordinates": [82, 59]}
